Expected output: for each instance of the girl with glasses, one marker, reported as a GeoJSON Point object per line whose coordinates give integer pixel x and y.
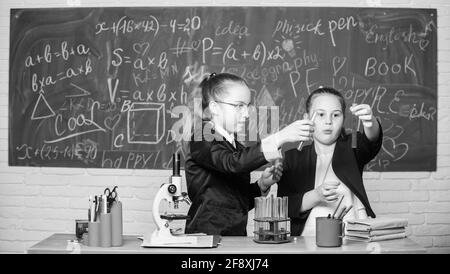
{"type": "Point", "coordinates": [218, 166]}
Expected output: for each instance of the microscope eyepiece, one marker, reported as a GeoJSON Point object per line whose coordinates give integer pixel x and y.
{"type": "Point", "coordinates": [176, 164]}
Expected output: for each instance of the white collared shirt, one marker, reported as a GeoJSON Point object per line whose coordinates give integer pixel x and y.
{"type": "Point", "coordinates": [324, 158]}
{"type": "Point", "coordinates": [229, 137]}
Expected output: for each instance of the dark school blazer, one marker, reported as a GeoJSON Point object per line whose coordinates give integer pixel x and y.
{"type": "Point", "coordinates": [218, 182]}
{"type": "Point", "coordinates": [299, 172]}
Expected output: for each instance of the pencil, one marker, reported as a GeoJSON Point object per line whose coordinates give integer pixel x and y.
{"type": "Point", "coordinates": [340, 212]}
{"type": "Point", "coordinates": [299, 148]}
{"type": "Point", "coordinates": [340, 201]}
{"type": "Point", "coordinates": [346, 211]}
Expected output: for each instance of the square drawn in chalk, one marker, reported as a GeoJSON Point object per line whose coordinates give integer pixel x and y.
{"type": "Point", "coordinates": [146, 123]}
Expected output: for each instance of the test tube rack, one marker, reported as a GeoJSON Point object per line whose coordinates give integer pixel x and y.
{"type": "Point", "coordinates": [271, 220]}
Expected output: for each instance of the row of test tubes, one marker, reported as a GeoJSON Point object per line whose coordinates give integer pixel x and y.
{"type": "Point", "coordinates": [271, 208]}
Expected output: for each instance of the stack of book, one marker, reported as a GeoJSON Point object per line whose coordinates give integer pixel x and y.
{"type": "Point", "coordinates": [376, 229]}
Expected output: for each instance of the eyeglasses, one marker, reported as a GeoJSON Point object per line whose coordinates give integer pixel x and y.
{"type": "Point", "coordinates": [240, 107]}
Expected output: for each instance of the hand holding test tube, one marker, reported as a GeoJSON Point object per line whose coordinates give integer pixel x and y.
{"type": "Point", "coordinates": [300, 146]}
{"type": "Point", "coordinates": [363, 113]}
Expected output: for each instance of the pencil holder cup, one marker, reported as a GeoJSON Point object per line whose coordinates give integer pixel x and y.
{"type": "Point", "coordinates": [329, 232]}
{"type": "Point", "coordinates": [94, 234]}
{"type": "Point", "coordinates": [105, 229]}
{"type": "Point", "coordinates": [116, 224]}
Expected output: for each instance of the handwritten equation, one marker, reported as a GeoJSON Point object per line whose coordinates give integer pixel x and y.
{"type": "Point", "coordinates": [110, 94]}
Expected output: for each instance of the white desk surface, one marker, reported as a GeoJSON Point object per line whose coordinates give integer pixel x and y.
{"type": "Point", "coordinates": [60, 243]}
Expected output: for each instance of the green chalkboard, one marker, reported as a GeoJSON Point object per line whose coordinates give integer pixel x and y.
{"type": "Point", "coordinates": [99, 87]}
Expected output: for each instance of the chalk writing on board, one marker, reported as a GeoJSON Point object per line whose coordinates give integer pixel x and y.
{"type": "Point", "coordinates": [115, 87]}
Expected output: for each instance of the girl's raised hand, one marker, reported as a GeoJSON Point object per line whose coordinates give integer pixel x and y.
{"type": "Point", "coordinates": [364, 113]}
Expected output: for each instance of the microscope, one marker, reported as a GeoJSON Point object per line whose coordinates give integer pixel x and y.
{"type": "Point", "coordinates": [163, 236]}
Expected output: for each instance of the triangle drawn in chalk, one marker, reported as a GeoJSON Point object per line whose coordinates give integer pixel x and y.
{"type": "Point", "coordinates": [83, 91]}
{"type": "Point", "coordinates": [264, 98]}
{"type": "Point", "coordinates": [48, 111]}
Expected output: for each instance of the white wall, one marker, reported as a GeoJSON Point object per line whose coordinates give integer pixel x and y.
{"type": "Point", "coordinates": [37, 202]}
